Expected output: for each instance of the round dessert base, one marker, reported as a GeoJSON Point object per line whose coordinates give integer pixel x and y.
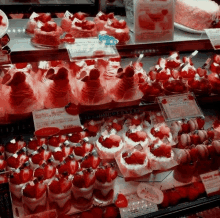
{"type": "Point", "coordinates": [37, 45]}
{"type": "Point", "coordinates": [29, 33]}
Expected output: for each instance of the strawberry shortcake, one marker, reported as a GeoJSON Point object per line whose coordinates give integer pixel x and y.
{"type": "Point", "coordinates": [109, 144]}
{"type": "Point", "coordinates": [48, 35]}
{"type": "Point", "coordinates": [101, 20]}
{"type": "Point", "coordinates": [161, 156]}
{"type": "Point", "coordinates": [83, 29]}
{"type": "Point", "coordinates": [135, 136]}
{"type": "Point", "coordinates": [133, 164]}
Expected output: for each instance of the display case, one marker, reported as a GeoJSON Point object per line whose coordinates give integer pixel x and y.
{"type": "Point", "coordinates": [50, 74]}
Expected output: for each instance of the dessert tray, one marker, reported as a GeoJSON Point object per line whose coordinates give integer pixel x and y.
{"type": "Point", "coordinates": [3, 28]}
{"type": "Point", "coordinates": [37, 45]}
{"type": "Point", "coordinates": [187, 29]}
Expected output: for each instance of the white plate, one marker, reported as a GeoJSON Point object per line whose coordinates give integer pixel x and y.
{"type": "Point", "coordinates": [187, 29]}
{"type": "Point", "coordinates": [3, 30]}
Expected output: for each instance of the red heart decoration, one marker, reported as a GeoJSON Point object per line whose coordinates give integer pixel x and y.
{"type": "Point", "coordinates": [121, 201]}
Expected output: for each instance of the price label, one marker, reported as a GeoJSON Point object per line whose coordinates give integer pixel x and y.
{"type": "Point", "coordinates": [49, 120]}
{"type": "Point", "coordinates": [214, 36]}
{"type": "Point", "coordinates": [89, 48]}
{"type": "Point", "coordinates": [5, 201]}
{"type": "Point", "coordinates": [211, 182]}
{"type": "Point", "coordinates": [176, 107]}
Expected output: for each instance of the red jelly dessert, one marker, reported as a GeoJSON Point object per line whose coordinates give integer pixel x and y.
{"type": "Point", "coordinates": [59, 195]}
{"type": "Point", "coordinates": [34, 198]}
{"type": "Point", "coordinates": [101, 20]}
{"type": "Point", "coordinates": [39, 158]}
{"type": "Point", "coordinates": [83, 29]}
{"type": "Point", "coordinates": [17, 181]}
{"type": "Point", "coordinates": [45, 172]}
{"type": "Point", "coordinates": [49, 34]}
{"type": "Point", "coordinates": [67, 20]}
{"type": "Point", "coordinates": [82, 149]}
{"type": "Point", "coordinates": [59, 91]}
{"type": "Point", "coordinates": [82, 191]}
{"type": "Point", "coordinates": [104, 185]}
{"type": "Point", "coordinates": [16, 160]}
{"type": "Point", "coordinates": [14, 146]}
{"type": "Point", "coordinates": [32, 23]}
{"type": "Point", "coordinates": [118, 29]}
{"type": "Point", "coordinates": [200, 86]}
{"type": "Point", "coordinates": [91, 161]}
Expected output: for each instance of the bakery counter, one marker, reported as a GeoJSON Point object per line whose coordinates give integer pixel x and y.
{"type": "Point", "coordinates": [22, 49]}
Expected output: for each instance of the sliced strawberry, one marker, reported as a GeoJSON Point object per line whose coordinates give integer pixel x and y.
{"type": "Point", "coordinates": [39, 173]}
{"type": "Point", "coordinates": [101, 175]}
{"type": "Point", "coordinates": [75, 138]}
{"type": "Point", "coordinates": [54, 141]}
{"type": "Point", "coordinates": [65, 185]}
{"type": "Point", "coordinates": [79, 151]}
{"type": "Point", "coordinates": [117, 126]}
{"type": "Point", "coordinates": [89, 179]}
{"type": "Point", "coordinates": [162, 150]}
{"type": "Point", "coordinates": [40, 190]}
{"type": "Point", "coordinates": [79, 181]}
{"type": "Point", "coordinates": [58, 155]}
{"type": "Point", "coordinates": [33, 145]}
{"type": "Point", "coordinates": [26, 175]}
{"type": "Point", "coordinates": [49, 171]}
{"type": "Point", "coordinates": [135, 121]}
{"type": "Point", "coordinates": [11, 147]}
{"type": "Point", "coordinates": [55, 187]}
{"type": "Point", "coordinates": [88, 147]}
{"type": "Point", "coordinates": [140, 157]}
{"type": "Point", "coordinates": [111, 174]}
{"type": "Point", "coordinates": [95, 162]}
{"type": "Point", "coordinates": [15, 178]}
{"type": "Point", "coordinates": [111, 15]}
{"type": "Point", "coordinates": [13, 162]}
{"type": "Point", "coordinates": [131, 159]}
{"type": "Point", "coordinates": [37, 158]}
{"type": "Point", "coordinates": [29, 191]}
{"type": "Point", "coordinates": [201, 72]}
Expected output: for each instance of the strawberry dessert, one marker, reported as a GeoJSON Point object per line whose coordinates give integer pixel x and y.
{"type": "Point", "coordinates": [17, 181]}
{"type": "Point", "coordinates": [59, 195]}
{"type": "Point", "coordinates": [160, 155]}
{"type": "Point", "coordinates": [187, 71]}
{"type": "Point", "coordinates": [13, 147]}
{"type": "Point", "coordinates": [199, 85]}
{"type": "Point", "coordinates": [101, 20]}
{"type": "Point", "coordinates": [91, 91]}
{"type": "Point", "coordinates": [133, 164]}
{"type": "Point", "coordinates": [83, 29]}
{"type": "Point", "coordinates": [90, 161]}
{"type": "Point", "coordinates": [135, 136]}
{"type": "Point", "coordinates": [60, 154]}
{"type": "Point", "coordinates": [53, 143]}
{"type": "Point", "coordinates": [104, 185]}
{"type": "Point", "coordinates": [59, 91]}
{"type": "Point", "coordinates": [34, 197]}
{"type": "Point", "coordinates": [68, 18]}
{"type": "Point", "coordinates": [109, 145]}
{"type": "Point", "coordinates": [16, 160]}
{"type": "Point", "coordinates": [39, 157]}
{"type": "Point", "coordinates": [34, 19]}
{"type": "Point", "coordinates": [34, 145]}
{"type": "Point", "coordinates": [186, 169]}
{"type": "Point", "coordinates": [48, 35]}
{"type": "Point", "coordinates": [45, 173]}
{"type": "Point", "coordinates": [125, 88]}
{"type": "Point", "coordinates": [77, 137]}
{"type": "Point", "coordinates": [214, 79]}
{"type": "Point", "coordinates": [174, 86]}
{"type": "Point", "coordinates": [68, 167]}
{"type": "Point", "coordinates": [118, 29]}
{"type": "Point", "coordinates": [82, 149]}
{"type": "Point", "coordinates": [160, 131]}
{"type": "Point", "coordinates": [82, 191]}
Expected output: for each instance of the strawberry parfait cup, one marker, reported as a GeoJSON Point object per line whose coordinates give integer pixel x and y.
{"type": "Point", "coordinates": [45, 172]}
{"type": "Point", "coordinates": [18, 179]}
{"type": "Point", "coordinates": [59, 195]}
{"type": "Point", "coordinates": [82, 190]}
{"type": "Point", "coordinates": [104, 185]}
{"type": "Point", "coordinates": [174, 86]}
{"type": "Point", "coordinates": [101, 20]}
{"type": "Point", "coordinates": [34, 197]}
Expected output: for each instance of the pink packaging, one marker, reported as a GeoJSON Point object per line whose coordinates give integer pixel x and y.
{"type": "Point", "coordinates": [153, 20]}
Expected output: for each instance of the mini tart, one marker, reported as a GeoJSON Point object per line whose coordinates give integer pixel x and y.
{"type": "Point", "coordinates": [78, 32]}
{"type": "Point", "coordinates": [108, 153]}
{"type": "Point", "coordinates": [48, 38]}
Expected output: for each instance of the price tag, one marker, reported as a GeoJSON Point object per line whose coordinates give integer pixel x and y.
{"type": "Point", "coordinates": [214, 36]}
{"type": "Point", "coordinates": [5, 201]}
{"type": "Point", "coordinates": [46, 214]}
{"type": "Point", "coordinates": [176, 107]}
{"type": "Point", "coordinates": [89, 48]}
{"type": "Point", "coordinates": [50, 121]}
{"type": "Point", "coordinates": [211, 182]}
